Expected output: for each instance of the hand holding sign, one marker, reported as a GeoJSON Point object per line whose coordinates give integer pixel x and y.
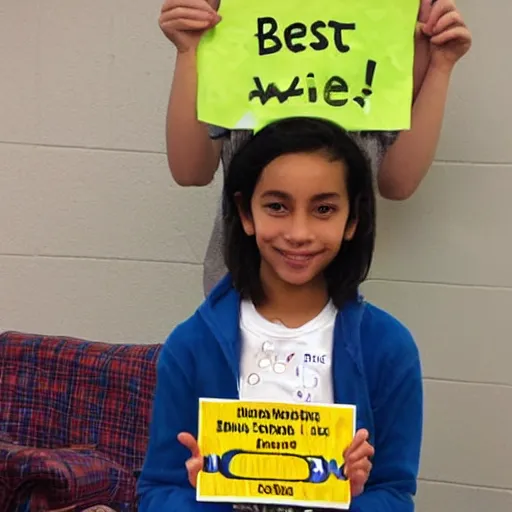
{"type": "Point", "coordinates": [185, 21]}
{"type": "Point", "coordinates": [348, 61]}
{"type": "Point", "coordinates": [195, 463]}
{"type": "Point", "coordinates": [449, 36]}
{"type": "Point", "coordinates": [357, 461]}
{"type": "Point", "coordinates": [289, 454]}
{"type": "Point", "coordinates": [357, 456]}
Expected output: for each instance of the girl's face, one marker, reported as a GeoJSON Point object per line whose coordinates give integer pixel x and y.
{"type": "Point", "coordinates": [299, 217]}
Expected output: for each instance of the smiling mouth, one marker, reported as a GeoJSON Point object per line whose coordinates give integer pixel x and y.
{"type": "Point", "coordinates": [298, 257]}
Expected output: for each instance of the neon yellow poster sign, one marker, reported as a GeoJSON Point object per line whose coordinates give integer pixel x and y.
{"type": "Point", "coordinates": [274, 453]}
{"type": "Point", "coordinates": [350, 61]}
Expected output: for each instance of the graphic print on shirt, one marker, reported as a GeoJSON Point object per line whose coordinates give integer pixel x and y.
{"type": "Point", "coordinates": [271, 361]}
{"type": "Point", "coordinates": [286, 364]}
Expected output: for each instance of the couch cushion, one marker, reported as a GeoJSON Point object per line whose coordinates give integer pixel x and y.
{"type": "Point", "coordinates": [100, 508]}
{"type": "Point", "coordinates": [5, 438]}
{"type": "Point", "coordinates": [6, 494]}
{"type": "Point", "coordinates": [7, 491]}
{"type": "Point", "coordinates": [54, 479]}
{"type": "Point", "coordinates": [57, 392]}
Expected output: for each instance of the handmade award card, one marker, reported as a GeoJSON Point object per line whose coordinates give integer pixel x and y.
{"type": "Point", "coordinates": [350, 61]}
{"type": "Point", "coordinates": [273, 453]}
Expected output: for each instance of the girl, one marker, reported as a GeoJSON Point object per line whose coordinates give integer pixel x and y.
{"type": "Point", "coordinates": [300, 226]}
{"type": "Point", "coordinates": [399, 161]}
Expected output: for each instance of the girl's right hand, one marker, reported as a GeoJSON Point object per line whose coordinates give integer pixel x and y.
{"type": "Point", "coordinates": [195, 463]}
{"type": "Point", "coordinates": [184, 21]}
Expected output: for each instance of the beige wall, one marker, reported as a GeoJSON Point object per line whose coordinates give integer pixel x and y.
{"type": "Point", "coordinates": [97, 242]}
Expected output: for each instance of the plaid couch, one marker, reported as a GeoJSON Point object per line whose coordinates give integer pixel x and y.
{"type": "Point", "coordinates": [74, 421]}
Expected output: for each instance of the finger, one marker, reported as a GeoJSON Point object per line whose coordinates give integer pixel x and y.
{"type": "Point", "coordinates": [460, 34]}
{"type": "Point", "coordinates": [425, 8]}
{"type": "Point", "coordinates": [361, 452]}
{"type": "Point", "coordinates": [189, 441]}
{"type": "Point", "coordinates": [188, 19]}
{"type": "Point", "coordinates": [357, 483]}
{"type": "Point", "coordinates": [439, 9]}
{"type": "Point", "coordinates": [185, 13]}
{"type": "Point", "coordinates": [449, 20]}
{"type": "Point", "coordinates": [194, 466]}
{"type": "Point", "coordinates": [361, 465]}
{"type": "Point", "coordinates": [186, 25]}
{"type": "Point", "coordinates": [215, 4]}
{"type": "Point", "coordinates": [419, 30]}
{"type": "Point", "coordinates": [200, 5]}
{"type": "Point", "coordinates": [361, 437]}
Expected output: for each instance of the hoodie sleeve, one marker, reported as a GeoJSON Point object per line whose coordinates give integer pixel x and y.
{"type": "Point", "coordinates": [398, 420]}
{"type": "Point", "coordinates": [163, 484]}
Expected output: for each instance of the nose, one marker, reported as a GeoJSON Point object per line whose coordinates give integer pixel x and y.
{"type": "Point", "coordinates": [299, 230]}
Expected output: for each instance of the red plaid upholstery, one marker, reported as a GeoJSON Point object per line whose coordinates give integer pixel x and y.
{"type": "Point", "coordinates": [74, 419]}
{"type": "Point", "coordinates": [56, 478]}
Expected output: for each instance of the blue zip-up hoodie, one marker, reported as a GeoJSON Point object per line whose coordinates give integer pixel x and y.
{"type": "Point", "coordinates": [376, 367]}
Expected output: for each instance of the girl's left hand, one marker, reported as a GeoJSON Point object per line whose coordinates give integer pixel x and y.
{"type": "Point", "coordinates": [357, 462]}
{"type": "Point", "coordinates": [450, 38]}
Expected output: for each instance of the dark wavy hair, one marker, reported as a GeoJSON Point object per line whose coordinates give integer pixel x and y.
{"type": "Point", "coordinates": [350, 266]}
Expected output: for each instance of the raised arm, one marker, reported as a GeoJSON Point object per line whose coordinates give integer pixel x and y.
{"type": "Point", "coordinates": [408, 160]}
{"type": "Point", "coordinates": [192, 155]}
{"type": "Point", "coordinates": [442, 40]}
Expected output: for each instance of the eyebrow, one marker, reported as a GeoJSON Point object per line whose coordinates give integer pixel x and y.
{"type": "Point", "coordinates": [285, 196]}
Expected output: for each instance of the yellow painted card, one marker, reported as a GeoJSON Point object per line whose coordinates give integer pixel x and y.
{"type": "Point", "coordinates": [350, 61]}
{"type": "Point", "coordinates": [274, 453]}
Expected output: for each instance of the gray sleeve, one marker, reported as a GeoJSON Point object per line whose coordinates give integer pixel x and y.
{"type": "Point", "coordinates": [375, 145]}
{"type": "Point", "coordinates": [217, 132]}
{"type": "Point", "coordinates": [387, 139]}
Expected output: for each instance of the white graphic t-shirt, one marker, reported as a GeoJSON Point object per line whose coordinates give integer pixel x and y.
{"type": "Point", "coordinates": [285, 364]}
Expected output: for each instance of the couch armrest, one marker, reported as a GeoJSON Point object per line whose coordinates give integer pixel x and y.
{"type": "Point", "coordinates": [53, 479]}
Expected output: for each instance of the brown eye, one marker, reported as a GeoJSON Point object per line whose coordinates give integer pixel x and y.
{"type": "Point", "coordinates": [325, 209]}
{"type": "Point", "coordinates": [275, 207]}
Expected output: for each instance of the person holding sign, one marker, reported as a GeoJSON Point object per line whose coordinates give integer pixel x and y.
{"type": "Point", "coordinates": [399, 160]}
{"type": "Point", "coordinates": [287, 324]}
